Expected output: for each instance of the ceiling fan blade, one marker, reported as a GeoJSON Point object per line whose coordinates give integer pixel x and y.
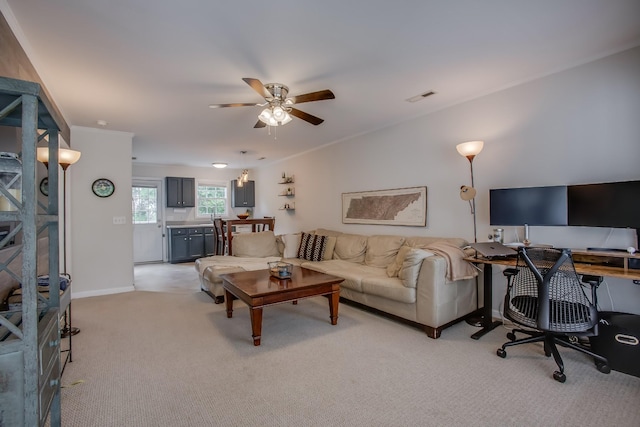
{"type": "Point", "coordinates": [306, 116]}
{"type": "Point", "coordinates": [259, 124]}
{"type": "Point", "coordinates": [232, 105]}
{"type": "Point", "coordinates": [313, 96]}
{"type": "Point", "coordinates": [258, 87]}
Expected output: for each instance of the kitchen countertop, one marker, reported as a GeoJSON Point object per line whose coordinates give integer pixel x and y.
{"type": "Point", "coordinates": [208, 224]}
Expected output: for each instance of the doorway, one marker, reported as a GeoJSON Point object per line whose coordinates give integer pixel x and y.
{"type": "Point", "coordinates": [148, 233]}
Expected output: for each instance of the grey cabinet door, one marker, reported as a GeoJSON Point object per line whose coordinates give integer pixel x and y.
{"type": "Point", "coordinates": [209, 241]}
{"type": "Point", "coordinates": [174, 192]}
{"type": "Point", "coordinates": [196, 243]}
{"type": "Point", "coordinates": [188, 192]}
{"type": "Point", "coordinates": [178, 246]}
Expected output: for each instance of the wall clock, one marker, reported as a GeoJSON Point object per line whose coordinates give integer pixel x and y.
{"type": "Point", "coordinates": [44, 186]}
{"type": "Point", "coordinates": [103, 187]}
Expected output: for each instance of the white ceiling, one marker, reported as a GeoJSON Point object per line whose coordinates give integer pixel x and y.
{"type": "Point", "coordinates": [152, 67]}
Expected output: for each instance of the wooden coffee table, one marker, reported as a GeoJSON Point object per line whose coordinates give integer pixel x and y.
{"type": "Point", "coordinates": [259, 289]}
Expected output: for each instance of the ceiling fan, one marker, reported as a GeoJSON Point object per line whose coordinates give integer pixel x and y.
{"type": "Point", "coordinates": [279, 107]}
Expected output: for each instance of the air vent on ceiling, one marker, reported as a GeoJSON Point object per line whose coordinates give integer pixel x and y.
{"type": "Point", "coordinates": [421, 96]}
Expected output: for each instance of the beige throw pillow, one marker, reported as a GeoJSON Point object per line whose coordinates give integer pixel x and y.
{"type": "Point", "coordinates": [325, 232]}
{"type": "Point", "coordinates": [255, 245]}
{"type": "Point", "coordinates": [394, 267]}
{"type": "Point", "coordinates": [291, 245]}
{"type": "Point", "coordinates": [331, 246]}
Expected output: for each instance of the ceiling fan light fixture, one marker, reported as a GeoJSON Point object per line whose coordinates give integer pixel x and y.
{"type": "Point", "coordinates": [266, 116]}
{"type": "Point", "coordinates": [286, 119]}
{"type": "Point", "coordinates": [279, 113]}
{"type": "Point", "coordinates": [274, 116]}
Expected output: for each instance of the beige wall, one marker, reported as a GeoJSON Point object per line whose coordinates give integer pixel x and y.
{"type": "Point", "coordinates": [576, 126]}
{"type": "Point", "coordinates": [101, 253]}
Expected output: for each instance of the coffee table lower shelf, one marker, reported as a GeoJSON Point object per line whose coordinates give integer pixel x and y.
{"type": "Point", "coordinates": [258, 289]}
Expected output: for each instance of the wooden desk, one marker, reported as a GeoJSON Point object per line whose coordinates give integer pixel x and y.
{"type": "Point", "coordinates": [488, 324]}
{"type": "Point", "coordinates": [230, 223]}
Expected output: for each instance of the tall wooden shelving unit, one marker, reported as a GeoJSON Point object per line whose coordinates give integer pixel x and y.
{"type": "Point", "coordinates": [30, 342]}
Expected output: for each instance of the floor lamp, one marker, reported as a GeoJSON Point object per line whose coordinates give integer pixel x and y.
{"type": "Point", "coordinates": [470, 150]}
{"type": "Point", "coordinates": [66, 158]}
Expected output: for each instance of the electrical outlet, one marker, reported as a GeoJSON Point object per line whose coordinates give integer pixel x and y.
{"type": "Point", "coordinates": [119, 220]}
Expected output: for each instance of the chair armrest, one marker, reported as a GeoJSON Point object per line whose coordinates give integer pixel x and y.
{"type": "Point", "coordinates": [592, 280]}
{"type": "Point", "coordinates": [510, 272]}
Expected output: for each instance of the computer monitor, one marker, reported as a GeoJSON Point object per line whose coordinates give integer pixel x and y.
{"type": "Point", "coordinates": [609, 204]}
{"type": "Point", "coordinates": [539, 206]}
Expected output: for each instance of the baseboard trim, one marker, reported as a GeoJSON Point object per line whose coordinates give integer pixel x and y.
{"type": "Point", "coordinates": [110, 291]}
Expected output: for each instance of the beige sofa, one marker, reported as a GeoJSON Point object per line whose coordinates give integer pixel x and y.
{"type": "Point", "coordinates": [422, 280]}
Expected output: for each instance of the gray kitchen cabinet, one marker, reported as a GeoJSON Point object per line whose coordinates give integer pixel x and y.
{"type": "Point", "coordinates": [181, 192]}
{"type": "Point", "coordinates": [190, 243]}
{"type": "Point", "coordinates": [245, 196]}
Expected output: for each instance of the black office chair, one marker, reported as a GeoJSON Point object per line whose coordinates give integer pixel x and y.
{"type": "Point", "coordinates": [545, 294]}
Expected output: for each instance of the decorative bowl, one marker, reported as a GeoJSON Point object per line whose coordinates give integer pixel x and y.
{"type": "Point", "coordinates": [281, 270]}
{"type": "Point", "coordinates": [243, 216]}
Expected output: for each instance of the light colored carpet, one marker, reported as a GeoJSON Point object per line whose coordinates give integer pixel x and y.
{"type": "Point", "coordinates": [174, 359]}
{"type": "Point", "coordinates": [177, 278]}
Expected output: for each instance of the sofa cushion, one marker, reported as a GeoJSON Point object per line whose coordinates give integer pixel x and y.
{"type": "Point", "coordinates": [255, 245]}
{"type": "Point", "coordinates": [350, 247]}
{"type": "Point", "coordinates": [212, 273]}
{"type": "Point", "coordinates": [351, 273]}
{"type": "Point", "coordinates": [388, 287]}
{"type": "Point", "coordinates": [382, 250]}
{"type": "Point", "coordinates": [312, 247]}
{"type": "Point", "coordinates": [411, 264]}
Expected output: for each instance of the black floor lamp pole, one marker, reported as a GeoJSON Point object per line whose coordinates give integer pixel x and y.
{"type": "Point", "coordinates": [470, 150]}
{"type": "Point", "coordinates": [67, 330]}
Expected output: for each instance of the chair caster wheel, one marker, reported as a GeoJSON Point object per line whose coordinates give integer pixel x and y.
{"type": "Point", "coordinates": [603, 367]}
{"type": "Point", "coordinates": [511, 336]}
{"type": "Point", "coordinates": [500, 352]}
{"type": "Point", "coordinates": [559, 376]}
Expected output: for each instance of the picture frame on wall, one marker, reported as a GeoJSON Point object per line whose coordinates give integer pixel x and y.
{"type": "Point", "coordinates": [399, 206]}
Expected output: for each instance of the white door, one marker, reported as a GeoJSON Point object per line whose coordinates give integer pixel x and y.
{"type": "Point", "coordinates": [146, 199]}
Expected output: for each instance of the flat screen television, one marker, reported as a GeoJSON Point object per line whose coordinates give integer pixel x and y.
{"type": "Point", "coordinates": [538, 206]}
{"type": "Point", "coordinates": [610, 204]}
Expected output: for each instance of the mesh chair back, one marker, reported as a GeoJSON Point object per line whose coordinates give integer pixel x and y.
{"type": "Point", "coordinates": [546, 293]}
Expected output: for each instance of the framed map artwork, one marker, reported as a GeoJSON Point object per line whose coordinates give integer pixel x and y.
{"type": "Point", "coordinates": [400, 206]}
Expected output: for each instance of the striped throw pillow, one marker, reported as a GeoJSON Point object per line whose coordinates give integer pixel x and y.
{"type": "Point", "coordinates": [312, 247]}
